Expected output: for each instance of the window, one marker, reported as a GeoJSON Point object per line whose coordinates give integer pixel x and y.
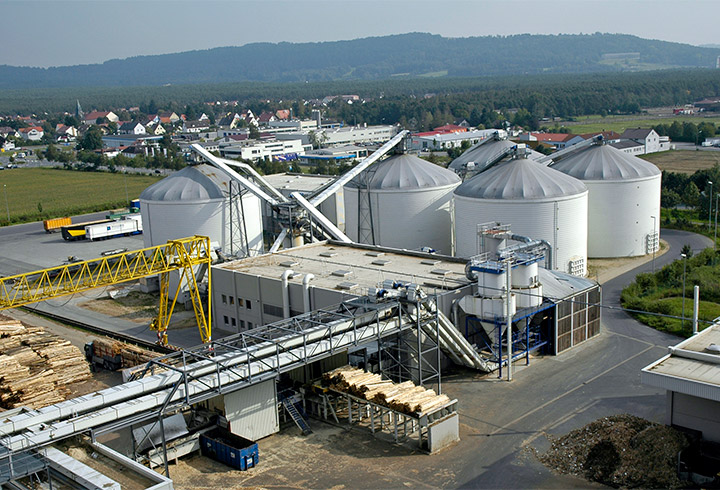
{"type": "Point", "coordinates": [224, 300]}
{"type": "Point", "coordinates": [272, 310]}
{"type": "Point", "coordinates": [250, 326]}
{"type": "Point", "coordinates": [226, 319]}
{"type": "Point", "coordinates": [249, 304]}
{"type": "Point", "coordinates": [242, 324]}
{"type": "Point", "coordinates": [241, 303]}
{"type": "Point", "coordinates": [234, 323]}
{"type": "Point", "coordinates": [232, 300]}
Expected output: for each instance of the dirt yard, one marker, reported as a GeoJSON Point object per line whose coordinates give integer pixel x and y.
{"type": "Point", "coordinates": [685, 162]}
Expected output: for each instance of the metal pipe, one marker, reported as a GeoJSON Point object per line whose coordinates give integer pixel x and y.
{"type": "Point", "coordinates": [528, 243]}
{"type": "Point", "coordinates": [306, 291]}
{"type": "Point", "coordinates": [508, 290]}
{"type": "Point", "coordinates": [683, 288]}
{"type": "Point", "coordinates": [286, 292]}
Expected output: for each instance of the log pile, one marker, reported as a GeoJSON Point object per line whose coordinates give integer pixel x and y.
{"type": "Point", "coordinates": [37, 367]}
{"type": "Point", "coordinates": [131, 355]}
{"type": "Point", "coordinates": [404, 397]}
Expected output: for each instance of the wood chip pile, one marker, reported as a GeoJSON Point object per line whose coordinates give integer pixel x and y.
{"type": "Point", "coordinates": [36, 367]}
{"type": "Point", "coordinates": [404, 397]}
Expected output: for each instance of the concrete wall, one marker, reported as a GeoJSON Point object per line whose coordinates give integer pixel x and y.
{"type": "Point", "coordinates": [443, 433]}
{"type": "Point", "coordinates": [695, 413]}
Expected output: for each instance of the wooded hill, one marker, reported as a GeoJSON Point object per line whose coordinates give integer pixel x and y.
{"type": "Point", "coordinates": [375, 58]}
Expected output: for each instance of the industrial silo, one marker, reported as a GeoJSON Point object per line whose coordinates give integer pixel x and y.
{"type": "Point", "coordinates": [197, 201]}
{"type": "Point", "coordinates": [535, 201]}
{"type": "Point", "coordinates": [401, 202]}
{"type": "Point", "coordinates": [623, 201]}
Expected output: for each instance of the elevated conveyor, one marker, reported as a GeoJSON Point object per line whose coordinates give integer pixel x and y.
{"type": "Point", "coordinates": [222, 366]}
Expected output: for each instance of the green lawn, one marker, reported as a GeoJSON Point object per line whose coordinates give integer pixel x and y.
{"type": "Point", "coordinates": [64, 192]}
{"type": "Point", "coordinates": [591, 124]}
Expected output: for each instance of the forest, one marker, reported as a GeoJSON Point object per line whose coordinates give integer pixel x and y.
{"type": "Point", "coordinates": [417, 104]}
{"type": "Point", "coordinates": [376, 58]}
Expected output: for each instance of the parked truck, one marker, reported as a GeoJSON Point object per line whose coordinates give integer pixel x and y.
{"type": "Point", "coordinates": [129, 225]}
{"type": "Point", "coordinates": [55, 224]}
{"type": "Point", "coordinates": [77, 231]}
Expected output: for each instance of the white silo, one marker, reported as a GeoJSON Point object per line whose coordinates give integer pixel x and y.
{"type": "Point", "coordinates": [196, 201]}
{"type": "Point", "coordinates": [401, 202]}
{"type": "Point", "coordinates": [624, 196]}
{"type": "Point", "coordinates": [535, 201]}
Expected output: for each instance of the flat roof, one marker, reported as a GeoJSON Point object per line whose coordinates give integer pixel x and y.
{"type": "Point", "coordinates": [691, 367]}
{"type": "Point", "coordinates": [354, 268]}
{"type": "Point", "coordinates": [298, 182]}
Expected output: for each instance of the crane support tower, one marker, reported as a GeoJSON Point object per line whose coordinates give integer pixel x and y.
{"type": "Point", "coordinates": [191, 256]}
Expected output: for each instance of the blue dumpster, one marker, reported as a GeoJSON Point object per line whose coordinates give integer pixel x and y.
{"type": "Point", "coordinates": [228, 448]}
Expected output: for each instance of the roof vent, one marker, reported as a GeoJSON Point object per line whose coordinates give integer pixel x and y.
{"type": "Point", "coordinates": [441, 272]}
{"type": "Point", "coordinates": [341, 273]}
{"type": "Point", "coordinates": [328, 254]}
{"type": "Point", "coordinates": [713, 349]}
{"type": "Point", "coordinates": [430, 262]}
{"type": "Point", "coordinates": [375, 254]}
{"type": "Point", "coordinates": [347, 285]}
{"type": "Point", "coordinates": [289, 263]}
{"type": "Point", "coordinates": [380, 262]}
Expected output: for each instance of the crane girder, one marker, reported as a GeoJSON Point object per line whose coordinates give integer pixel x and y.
{"type": "Point", "coordinates": [176, 255]}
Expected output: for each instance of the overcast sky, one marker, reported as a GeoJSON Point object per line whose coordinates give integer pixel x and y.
{"type": "Point", "coordinates": [58, 32]}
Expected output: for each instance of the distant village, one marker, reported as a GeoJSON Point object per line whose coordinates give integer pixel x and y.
{"type": "Point", "coordinates": [279, 136]}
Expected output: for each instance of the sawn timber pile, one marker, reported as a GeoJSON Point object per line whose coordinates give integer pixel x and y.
{"type": "Point", "coordinates": [404, 397]}
{"type": "Point", "coordinates": [36, 367]}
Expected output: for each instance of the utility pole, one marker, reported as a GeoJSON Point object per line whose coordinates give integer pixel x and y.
{"type": "Point", "coordinates": [7, 205]}
{"type": "Point", "coordinates": [656, 240]}
{"type": "Point", "coordinates": [710, 206]}
{"type": "Point", "coordinates": [683, 291]}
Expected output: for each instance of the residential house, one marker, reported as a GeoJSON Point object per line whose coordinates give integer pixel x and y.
{"type": "Point", "coordinates": [203, 117]}
{"type": "Point", "coordinates": [6, 131]}
{"type": "Point", "coordinates": [92, 117]}
{"type": "Point", "coordinates": [629, 146]}
{"type": "Point", "coordinates": [33, 133]}
{"type": "Point", "coordinates": [155, 129]}
{"type": "Point", "coordinates": [608, 136]}
{"type": "Point", "coordinates": [282, 114]}
{"type": "Point", "coordinates": [195, 126]}
{"type": "Point", "coordinates": [249, 117]}
{"type": "Point", "coordinates": [559, 141]}
{"type": "Point", "coordinates": [132, 127]}
{"type": "Point", "coordinates": [266, 118]}
{"type": "Point", "coordinates": [65, 134]}
{"type": "Point", "coordinates": [168, 117]}
{"type": "Point", "coordinates": [230, 120]}
{"type": "Point", "coordinates": [647, 137]}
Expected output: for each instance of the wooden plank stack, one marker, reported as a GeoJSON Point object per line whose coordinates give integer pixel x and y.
{"type": "Point", "coordinates": [37, 367]}
{"type": "Point", "coordinates": [404, 397]}
{"type": "Point", "coordinates": [131, 355]}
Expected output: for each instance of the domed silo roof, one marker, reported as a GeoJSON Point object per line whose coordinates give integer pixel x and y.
{"type": "Point", "coordinates": [407, 172]}
{"type": "Point", "coordinates": [623, 200]}
{"type": "Point", "coordinates": [604, 162]}
{"type": "Point", "coordinates": [480, 153]}
{"type": "Point", "coordinates": [520, 179]}
{"type": "Point", "coordinates": [536, 201]}
{"type": "Point", "coordinates": [194, 183]}
{"type": "Point", "coordinates": [406, 204]}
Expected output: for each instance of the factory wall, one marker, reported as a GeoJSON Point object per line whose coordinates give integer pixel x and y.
{"type": "Point", "coordinates": [252, 412]}
{"type": "Point", "coordinates": [692, 412]}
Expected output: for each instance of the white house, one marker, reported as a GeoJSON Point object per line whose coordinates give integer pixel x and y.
{"type": "Point", "coordinates": [33, 133]}
{"type": "Point", "coordinates": [647, 137]}
{"type": "Point", "coordinates": [132, 128]}
{"type": "Point", "coordinates": [195, 126]}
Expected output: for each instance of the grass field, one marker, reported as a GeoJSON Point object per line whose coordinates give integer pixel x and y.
{"type": "Point", "coordinates": [591, 124]}
{"type": "Point", "coordinates": [682, 161]}
{"type": "Point", "coordinates": [64, 192]}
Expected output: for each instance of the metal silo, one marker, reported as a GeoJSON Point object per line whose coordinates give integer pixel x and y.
{"type": "Point", "coordinates": [535, 201]}
{"type": "Point", "coordinates": [482, 153]}
{"type": "Point", "coordinates": [401, 202]}
{"type": "Point", "coordinates": [623, 201]}
{"type": "Point", "coordinates": [197, 201]}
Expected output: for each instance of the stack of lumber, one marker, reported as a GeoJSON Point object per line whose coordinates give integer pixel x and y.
{"type": "Point", "coordinates": [36, 367]}
{"type": "Point", "coordinates": [404, 397]}
{"type": "Point", "coordinates": [131, 355]}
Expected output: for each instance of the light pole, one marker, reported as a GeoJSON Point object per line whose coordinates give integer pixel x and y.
{"type": "Point", "coordinates": [7, 205]}
{"type": "Point", "coordinates": [655, 239]}
{"type": "Point", "coordinates": [710, 206]}
{"type": "Point", "coordinates": [716, 213]}
{"type": "Point", "coordinates": [683, 291]}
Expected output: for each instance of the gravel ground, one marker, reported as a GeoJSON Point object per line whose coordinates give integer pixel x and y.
{"type": "Point", "coordinates": [620, 451]}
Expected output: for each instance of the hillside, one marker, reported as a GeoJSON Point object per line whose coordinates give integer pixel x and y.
{"type": "Point", "coordinates": [405, 55]}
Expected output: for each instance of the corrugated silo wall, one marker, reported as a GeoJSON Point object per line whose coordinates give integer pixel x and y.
{"type": "Point", "coordinates": [620, 216]}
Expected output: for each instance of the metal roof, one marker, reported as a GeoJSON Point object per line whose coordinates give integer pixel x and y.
{"type": "Point", "coordinates": [604, 162]}
{"type": "Point", "coordinates": [407, 172]}
{"type": "Point", "coordinates": [487, 150]}
{"type": "Point", "coordinates": [194, 183]}
{"type": "Point", "coordinates": [559, 285]}
{"type": "Point", "coordinates": [520, 179]}
{"type": "Point", "coordinates": [690, 367]}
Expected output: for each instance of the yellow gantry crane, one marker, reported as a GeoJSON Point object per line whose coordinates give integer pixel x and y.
{"type": "Point", "coordinates": [187, 255]}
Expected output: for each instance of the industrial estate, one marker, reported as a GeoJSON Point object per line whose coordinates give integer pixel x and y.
{"type": "Point", "coordinates": [401, 303]}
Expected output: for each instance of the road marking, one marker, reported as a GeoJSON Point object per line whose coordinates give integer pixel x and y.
{"type": "Point", "coordinates": [581, 385]}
